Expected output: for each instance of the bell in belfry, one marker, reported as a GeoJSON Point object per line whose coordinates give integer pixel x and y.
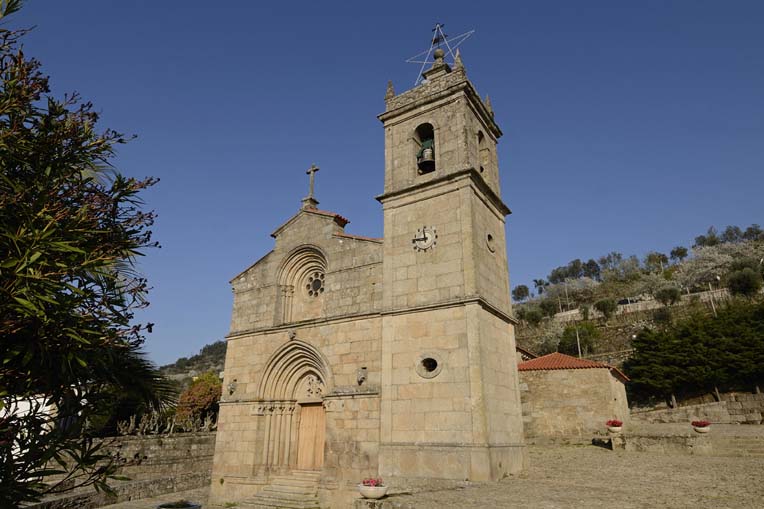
{"type": "Point", "coordinates": [425, 158]}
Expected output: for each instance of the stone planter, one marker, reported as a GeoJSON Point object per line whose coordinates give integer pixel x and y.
{"type": "Point", "coordinates": [614, 429]}
{"type": "Point", "coordinates": [177, 505]}
{"type": "Point", "coordinates": [701, 429]}
{"type": "Point", "coordinates": [372, 491]}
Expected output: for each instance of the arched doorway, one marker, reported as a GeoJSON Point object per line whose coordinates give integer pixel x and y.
{"type": "Point", "coordinates": [294, 382]}
{"type": "Point", "coordinates": [310, 438]}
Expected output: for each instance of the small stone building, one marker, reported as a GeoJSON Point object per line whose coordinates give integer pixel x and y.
{"type": "Point", "coordinates": [352, 357]}
{"type": "Point", "coordinates": [564, 396]}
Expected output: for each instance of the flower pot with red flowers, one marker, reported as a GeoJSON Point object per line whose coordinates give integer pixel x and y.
{"type": "Point", "coordinates": [372, 488]}
{"type": "Point", "coordinates": [614, 425]}
{"type": "Point", "coordinates": [701, 426]}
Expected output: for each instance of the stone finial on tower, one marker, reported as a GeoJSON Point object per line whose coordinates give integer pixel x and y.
{"type": "Point", "coordinates": [439, 67]}
{"type": "Point", "coordinates": [458, 64]}
{"type": "Point", "coordinates": [310, 202]}
{"type": "Point", "coordinates": [390, 92]}
{"type": "Point", "coordinates": [488, 106]}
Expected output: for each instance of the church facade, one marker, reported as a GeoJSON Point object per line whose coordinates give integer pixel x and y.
{"type": "Point", "coordinates": [352, 357]}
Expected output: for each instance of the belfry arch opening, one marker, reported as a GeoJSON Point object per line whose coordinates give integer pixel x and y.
{"type": "Point", "coordinates": [484, 152]}
{"type": "Point", "coordinates": [424, 136]}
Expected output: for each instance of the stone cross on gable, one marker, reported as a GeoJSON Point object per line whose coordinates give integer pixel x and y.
{"type": "Point", "coordinates": [312, 172]}
{"type": "Point", "coordinates": [310, 202]}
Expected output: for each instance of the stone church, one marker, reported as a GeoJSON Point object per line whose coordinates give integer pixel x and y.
{"type": "Point", "coordinates": [353, 357]}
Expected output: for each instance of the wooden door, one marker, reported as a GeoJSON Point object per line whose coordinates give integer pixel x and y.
{"type": "Point", "coordinates": [310, 441]}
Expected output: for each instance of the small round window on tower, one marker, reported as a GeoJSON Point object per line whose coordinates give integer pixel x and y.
{"type": "Point", "coordinates": [429, 364]}
{"type": "Point", "coordinates": [315, 284]}
{"type": "Point", "coordinates": [490, 242]}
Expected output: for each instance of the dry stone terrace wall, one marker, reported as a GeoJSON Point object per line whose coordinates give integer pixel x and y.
{"type": "Point", "coordinates": [735, 407]}
{"type": "Point", "coordinates": [154, 464]}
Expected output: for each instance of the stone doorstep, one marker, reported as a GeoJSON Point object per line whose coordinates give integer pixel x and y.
{"type": "Point", "coordinates": [298, 490]}
{"type": "Point", "coordinates": [280, 503]}
{"type": "Point", "coordinates": [290, 489]}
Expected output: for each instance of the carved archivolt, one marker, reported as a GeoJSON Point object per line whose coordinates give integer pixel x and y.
{"type": "Point", "coordinates": [297, 370]}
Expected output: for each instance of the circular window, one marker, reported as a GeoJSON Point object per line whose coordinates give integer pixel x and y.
{"type": "Point", "coordinates": [315, 284]}
{"type": "Point", "coordinates": [490, 242]}
{"type": "Point", "coordinates": [429, 365]}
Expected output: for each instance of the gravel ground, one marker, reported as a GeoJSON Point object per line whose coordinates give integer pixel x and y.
{"type": "Point", "coordinates": [593, 477]}
{"type": "Point", "coordinates": [586, 476]}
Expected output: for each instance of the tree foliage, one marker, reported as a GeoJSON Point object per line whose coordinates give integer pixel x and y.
{"type": "Point", "coordinates": [668, 295]}
{"type": "Point", "coordinates": [655, 261]}
{"type": "Point", "coordinates": [588, 334]}
{"type": "Point", "coordinates": [679, 253]}
{"type": "Point", "coordinates": [71, 228]}
{"type": "Point", "coordinates": [745, 281]}
{"type": "Point", "coordinates": [201, 399]}
{"type": "Point", "coordinates": [520, 293]}
{"type": "Point", "coordinates": [699, 353]}
{"type": "Point", "coordinates": [607, 307]}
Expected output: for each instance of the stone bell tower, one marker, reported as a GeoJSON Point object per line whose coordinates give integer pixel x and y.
{"type": "Point", "coordinates": [450, 403]}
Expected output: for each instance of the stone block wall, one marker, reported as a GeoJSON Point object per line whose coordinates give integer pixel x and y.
{"type": "Point", "coordinates": [151, 456]}
{"type": "Point", "coordinates": [570, 402]}
{"type": "Point", "coordinates": [734, 408]}
{"type": "Point", "coordinates": [352, 277]}
{"type": "Point", "coordinates": [153, 464]}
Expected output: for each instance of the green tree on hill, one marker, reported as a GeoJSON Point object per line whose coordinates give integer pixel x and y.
{"type": "Point", "coordinates": [607, 307]}
{"type": "Point", "coordinates": [585, 333]}
{"type": "Point", "coordinates": [745, 282]}
{"type": "Point", "coordinates": [678, 254]}
{"type": "Point", "coordinates": [700, 353]}
{"type": "Point", "coordinates": [520, 293]}
{"type": "Point", "coordinates": [668, 295]}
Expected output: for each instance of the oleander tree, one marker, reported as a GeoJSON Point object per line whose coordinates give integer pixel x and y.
{"type": "Point", "coordinates": [71, 228]}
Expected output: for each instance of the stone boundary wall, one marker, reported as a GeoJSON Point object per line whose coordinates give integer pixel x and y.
{"type": "Point", "coordinates": [154, 464]}
{"type": "Point", "coordinates": [734, 408]}
{"type": "Point", "coordinates": [150, 456]}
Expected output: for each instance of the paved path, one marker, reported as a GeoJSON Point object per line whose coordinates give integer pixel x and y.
{"type": "Point", "coordinates": [584, 476]}
{"type": "Point", "coordinates": [198, 495]}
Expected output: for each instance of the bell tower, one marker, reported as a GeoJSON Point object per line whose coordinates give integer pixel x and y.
{"type": "Point", "coordinates": [450, 397]}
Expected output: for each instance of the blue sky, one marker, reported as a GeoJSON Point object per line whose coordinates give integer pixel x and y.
{"type": "Point", "coordinates": [628, 126]}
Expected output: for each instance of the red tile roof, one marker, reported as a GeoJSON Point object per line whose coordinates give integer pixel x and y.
{"type": "Point", "coordinates": [558, 360]}
{"type": "Point", "coordinates": [342, 221]}
{"type": "Point", "coordinates": [357, 237]}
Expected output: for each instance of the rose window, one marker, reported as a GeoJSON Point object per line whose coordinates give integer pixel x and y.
{"type": "Point", "coordinates": [315, 285]}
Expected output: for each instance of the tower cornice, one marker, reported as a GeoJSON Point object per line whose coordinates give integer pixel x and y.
{"type": "Point", "coordinates": [470, 173]}
{"type": "Point", "coordinates": [440, 88]}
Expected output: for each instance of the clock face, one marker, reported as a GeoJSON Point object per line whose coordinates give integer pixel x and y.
{"type": "Point", "coordinates": [425, 238]}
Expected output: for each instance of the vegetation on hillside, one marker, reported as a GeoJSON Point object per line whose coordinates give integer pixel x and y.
{"type": "Point", "coordinates": [210, 358]}
{"type": "Point", "coordinates": [71, 228]}
{"type": "Point", "coordinates": [700, 354]}
{"type": "Point", "coordinates": [733, 259]}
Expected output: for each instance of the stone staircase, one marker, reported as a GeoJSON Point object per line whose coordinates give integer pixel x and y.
{"type": "Point", "coordinates": [297, 490]}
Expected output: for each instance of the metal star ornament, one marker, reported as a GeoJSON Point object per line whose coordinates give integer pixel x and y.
{"type": "Point", "coordinates": [439, 40]}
